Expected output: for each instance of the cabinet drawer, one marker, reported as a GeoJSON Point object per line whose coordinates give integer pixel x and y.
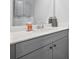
{"type": "Point", "coordinates": [28, 46]}
{"type": "Point", "coordinates": [58, 35]}
{"type": "Point", "coordinates": [42, 53]}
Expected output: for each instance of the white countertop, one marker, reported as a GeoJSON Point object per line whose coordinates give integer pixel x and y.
{"type": "Point", "coordinates": [24, 35]}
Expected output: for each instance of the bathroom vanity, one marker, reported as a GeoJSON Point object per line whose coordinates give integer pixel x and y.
{"type": "Point", "coordinates": [44, 42]}
{"type": "Point", "coordinates": [48, 44]}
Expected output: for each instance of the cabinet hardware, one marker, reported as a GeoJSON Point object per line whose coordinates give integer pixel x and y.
{"type": "Point", "coordinates": [51, 47]}
{"type": "Point", "coordinates": [54, 45]}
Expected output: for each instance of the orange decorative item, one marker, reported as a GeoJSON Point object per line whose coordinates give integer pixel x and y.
{"type": "Point", "coordinates": [29, 27]}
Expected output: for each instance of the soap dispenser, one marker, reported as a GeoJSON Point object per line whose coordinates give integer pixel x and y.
{"type": "Point", "coordinates": [53, 21]}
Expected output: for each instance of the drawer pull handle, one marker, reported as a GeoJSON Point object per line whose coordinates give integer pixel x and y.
{"type": "Point", "coordinates": [51, 47]}
{"type": "Point", "coordinates": [54, 45]}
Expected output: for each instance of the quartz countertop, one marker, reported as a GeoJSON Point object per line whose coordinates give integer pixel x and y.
{"type": "Point", "coordinates": [25, 35]}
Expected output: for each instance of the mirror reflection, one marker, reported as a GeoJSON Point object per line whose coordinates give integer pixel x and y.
{"type": "Point", "coordinates": [23, 10]}
{"type": "Point", "coordinates": [35, 11]}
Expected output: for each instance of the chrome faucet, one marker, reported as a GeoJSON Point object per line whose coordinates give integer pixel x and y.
{"type": "Point", "coordinates": [41, 26]}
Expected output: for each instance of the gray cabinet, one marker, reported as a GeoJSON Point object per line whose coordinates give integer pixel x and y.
{"type": "Point", "coordinates": [51, 46]}
{"type": "Point", "coordinates": [26, 47]}
{"type": "Point", "coordinates": [42, 53]}
{"type": "Point", "coordinates": [60, 49]}
{"type": "Point", "coordinates": [12, 52]}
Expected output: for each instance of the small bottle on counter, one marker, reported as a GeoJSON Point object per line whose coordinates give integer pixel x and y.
{"type": "Point", "coordinates": [53, 21]}
{"type": "Point", "coordinates": [28, 25]}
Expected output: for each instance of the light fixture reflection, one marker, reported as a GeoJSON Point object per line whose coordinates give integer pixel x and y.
{"type": "Point", "coordinates": [20, 1]}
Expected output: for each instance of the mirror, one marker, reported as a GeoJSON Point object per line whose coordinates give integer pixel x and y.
{"type": "Point", "coordinates": [36, 10]}
{"type": "Point", "coordinates": [22, 11]}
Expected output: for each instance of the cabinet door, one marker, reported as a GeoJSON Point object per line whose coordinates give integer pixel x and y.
{"type": "Point", "coordinates": [12, 52]}
{"type": "Point", "coordinates": [60, 49]}
{"type": "Point", "coordinates": [43, 53]}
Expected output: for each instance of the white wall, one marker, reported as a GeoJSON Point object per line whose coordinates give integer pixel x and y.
{"type": "Point", "coordinates": [44, 9]}
{"type": "Point", "coordinates": [41, 11]}
{"type": "Point", "coordinates": [62, 12]}
{"type": "Point", "coordinates": [11, 12]}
